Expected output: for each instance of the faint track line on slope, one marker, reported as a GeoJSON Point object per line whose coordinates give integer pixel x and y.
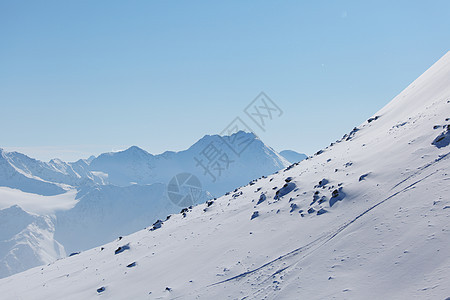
{"type": "Point", "coordinates": [422, 168]}
{"type": "Point", "coordinates": [327, 237]}
{"type": "Point", "coordinates": [339, 230]}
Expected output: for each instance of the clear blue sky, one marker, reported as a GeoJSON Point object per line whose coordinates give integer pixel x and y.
{"type": "Point", "coordinates": [81, 77]}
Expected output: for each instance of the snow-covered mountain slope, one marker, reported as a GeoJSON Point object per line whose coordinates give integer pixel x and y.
{"type": "Point", "coordinates": [108, 211]}
{"type": "Point", "coordinates": [13, 177]}
{"type": "Point", "coordinates": [99, 199]}
{"type": "Point", "coordinates": [366, 218]}
{"type": "Point", "coordinates": [293, 156]}
{"type": "Point", "coordinates": [104, 213]}
{"type": "Point", "coordinates": [55, 173]}
{"type": "Point", "coordinates": [26, 241]}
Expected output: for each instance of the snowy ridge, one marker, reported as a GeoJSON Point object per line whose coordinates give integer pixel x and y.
{"type": "Point", "coordinates": [135, 165]}
{"type": "Point", "coordinates": [366, 218]}
{"type": "Point", "coordinates": [91, 202]}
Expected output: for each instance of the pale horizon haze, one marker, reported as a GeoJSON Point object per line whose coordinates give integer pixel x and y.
{"type": "Point", "coordinates": [79, 78]}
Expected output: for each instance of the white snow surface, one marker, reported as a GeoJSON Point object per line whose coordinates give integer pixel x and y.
{"type": "Point", "coordinates": [26, 241]}
{"type": "Point", "coordinates": [91, 202]}
{"type": "Point", "coordinates": [385, 234]}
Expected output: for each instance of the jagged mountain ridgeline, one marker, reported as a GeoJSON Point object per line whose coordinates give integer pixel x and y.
{"type": "Point", "coordinates": [90, 202]}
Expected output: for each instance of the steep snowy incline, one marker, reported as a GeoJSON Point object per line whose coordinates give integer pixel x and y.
{"type": "Point", "coordinates": [366, 218]}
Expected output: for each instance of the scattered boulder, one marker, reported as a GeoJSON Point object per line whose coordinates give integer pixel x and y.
{"type": "Point", "coordinates": [322, 200]}
{"type": "Point", "coordinates": [290, 167]}
{"type": "Point", "coordinates": [322, 183]}
{"type": "Point", "coordinates": [373, 119]}
{"type": "Point", "coordinates": [293, 207]}
{"type": "Point", "coordinates": [133, 264]}
{"type": "Point", "coordinates": [286, 189]}
{"type": "Point", "coordinates": [336, 195]}
{"type": "Point", "coordinates": [237, 195]}
{"type": "Point", "coordinates": [122, 248]}
{"type": "Point", "coordinates": [352, 134]}
{"type": "Point", "coordinates": [315, 197]}
{"type": "Point", "coordinates": [363, 177]}
{"type": "Point", "coordinates": [255, 215]}
{"type": "Point", "coordinates": [101, 289]}
{"type": "Point", "coordinates": [442, 140]}
{"type": "Point", "coordinates": [262, 198]}
{"type": "Point", "coordinates": [156, 225]}
{"type": "Point", "coordinates": [321, 211]}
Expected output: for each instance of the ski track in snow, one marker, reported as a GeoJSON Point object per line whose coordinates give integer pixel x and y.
{"type": "Point", "coordinates": [326, 237]}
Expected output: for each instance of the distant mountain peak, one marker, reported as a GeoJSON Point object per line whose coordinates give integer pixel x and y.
{"type": "Point", "coordinates": [57, 161]}
{"type": "Point", "coordinates": [135, 149]}
{"type": "Point", "coordinates": [242, 133]}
